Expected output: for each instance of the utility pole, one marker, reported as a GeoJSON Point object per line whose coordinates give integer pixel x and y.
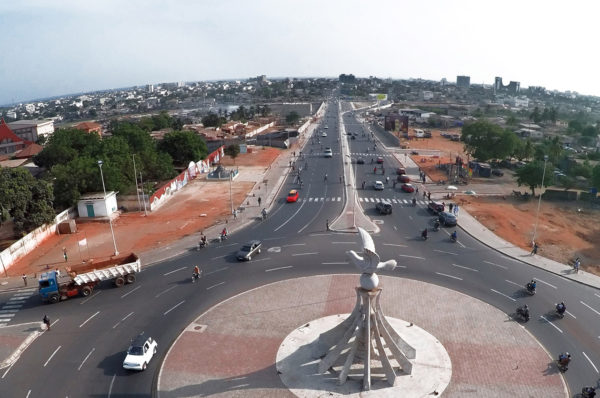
{"type": "Point", "coordinates": [137, 191]}
{"type": "Point", "coordinates": [143, 194]}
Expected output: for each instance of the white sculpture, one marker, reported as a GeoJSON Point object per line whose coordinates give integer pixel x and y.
{"type": "Point", "coordinates": [366, 335]}
{"type": "Point", "coordinates": [369, 262]}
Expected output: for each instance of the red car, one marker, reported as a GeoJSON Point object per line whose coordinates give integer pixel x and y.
{"type": "Point", "coordinates": [400, 171]}
{"type": "Point", "coordinates": [407, 188]}
{"type": "Point", "coordinates": [379, 159]}
{"type": "Point", "coordinates": [403, 178]}
{"type": "Point", "coordinates": [292, 196]}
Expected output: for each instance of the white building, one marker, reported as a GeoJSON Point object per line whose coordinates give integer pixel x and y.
{"type": "Point", "coordinates": [11, 114]}
{"type": "Point", "coordinates": [31, 130]}
{"type": "Point", "coordinates": [94, 205]}
{"type": "Point", "coordinates": [30, 108]}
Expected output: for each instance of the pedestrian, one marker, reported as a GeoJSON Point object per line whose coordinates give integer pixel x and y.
{"type": "Point", "coordinates": [327, 224]}
{"type": "Point", "coordinates": [456, 210]}
{"type": "Point", "coordinates": [535, 249]}
{"type": "Point", "coordinates": [375, 170]}
{"type": "Point", "coordinates": [416, 190]}
{"type": "Point", "coordinates": [387, 180]}
{"type": "Point", "coordinates": [259, 200]}
{"type": "Point", "coordinates": [450, 206]}
{"type": "Point", "coordinates": [24, 279]}
{"type": "Point", "coordinates": [424, 193]}
{"type": "Point", "coordinates": [363, 185]}
{"type": "Point", "coordinates": [46, 321]}
{"type": "Point", "coordinates": [576, 265]}
{"type": "Point", "coordinates": [65, 253]}
{"type": "Point", "coordinates": [57, 273]}
{"type": "Point", "coordinates": [340, 179]}
{"type": "Point", "coordinates": [429, 195]}
{"type": "Point", "coordinates": [235, 214]}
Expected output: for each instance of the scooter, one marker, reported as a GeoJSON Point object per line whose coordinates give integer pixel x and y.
{"type": "Point", "coordinates": [202, 244]}
{"type": "Point", "coordinates": [196, 276]}
{"type": "Point", "coordinates": [588, 392]}
{"type": "Point", "coordinates": [522, 314]}
{"type": "Point", "coordinates": [530, 290]}
{"type": "Point", "coordinates": [560, 313]}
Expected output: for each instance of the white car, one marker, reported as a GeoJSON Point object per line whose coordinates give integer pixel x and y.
{"type": "Point", "coordinates": [323, 134]}
{"type": "Point", "coordinates": [378, 186]}
{"type": "Point", "coordinates": [328, 153]}
{"type": "Point", "coordinates": [140, 352]}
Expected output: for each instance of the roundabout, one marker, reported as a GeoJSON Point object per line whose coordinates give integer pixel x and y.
{"type": "Point", "coordinates": [240, 346]}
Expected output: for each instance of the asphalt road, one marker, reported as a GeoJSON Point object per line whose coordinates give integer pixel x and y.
{"type": "Point", "coordinates": [83, 353]}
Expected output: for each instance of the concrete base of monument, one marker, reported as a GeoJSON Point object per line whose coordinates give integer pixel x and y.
{"type": "Point", "coordinates": [431, 372]}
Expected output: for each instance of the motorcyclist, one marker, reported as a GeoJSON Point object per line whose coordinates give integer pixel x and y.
{"type": "Point", "coordinates": [264, 213]}
{"type": "Point", "coordinates": [588, 392]}
{"type": "Point", "coordinates": [424, 234]}
{"type": "Point", "coordinates": [196, 273]}
{"type": "Point", "coordinates": [564, 359]}
{"type": "Point", "coordinates": [414, 202]}
{"type": "Point", "coordinates": [436, 224]}
{"type": "Point", "coordinates": [224, 233]}
{"type": "Point", "coordinates": [454, 236]}
{"type": "Point", "coordinates": [561, 308]}
{"type": "Point", "coordinates": [524, 311]}
{"type": "Point", "coordinates": [532, 285]}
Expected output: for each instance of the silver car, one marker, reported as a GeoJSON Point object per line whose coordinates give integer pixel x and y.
{"type": "Point", "coordinates": [248, 250]}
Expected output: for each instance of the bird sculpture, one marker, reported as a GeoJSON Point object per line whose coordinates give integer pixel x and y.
{"type": "Point", "coordinates": [369, 262]}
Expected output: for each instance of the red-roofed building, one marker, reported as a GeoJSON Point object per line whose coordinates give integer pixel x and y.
{"type": "Point", "coordinates": [9, 141]}
{"type": "Point", "coordinates": [90, 127]}
{"type": "Point", "coordinates": [29, 151]}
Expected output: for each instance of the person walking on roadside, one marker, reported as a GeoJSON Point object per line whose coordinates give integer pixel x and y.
{"type": "Point", "coordinates": [327, 224]}
{"type": "Point", "coordinates": [576, 265]}
{"type": "Point", "coordinates": [65, 253]}
{"type": "Point", "coordinates": [259, 200]}
{"type": "Point", "coordinates": [24, 279]}
{"type": "Point", "coordinates": [535, 248]}
{"type": "Point", "coordinates": [46, 321]}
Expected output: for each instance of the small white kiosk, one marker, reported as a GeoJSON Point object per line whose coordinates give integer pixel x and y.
{"type": "Point", "coordinates": [93, 204]}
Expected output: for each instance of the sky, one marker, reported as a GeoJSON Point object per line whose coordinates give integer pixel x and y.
{"type": "Point", "coordinates": [59, 47]}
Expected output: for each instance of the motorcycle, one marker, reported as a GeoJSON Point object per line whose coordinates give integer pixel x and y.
{"type": "Point", "coordinates": [436, 226]}
{"type": "Point", "coordinates": [222, 237]}
{"type": "Point", "coordinates": [588, 392]}
{"type": "Point", "coordinates": [453, 238]}
{"type": "Point", "coordinates": [196, 276]}
{"type": "Point", "coordinates": [524, 315]}
{"type": "Point", "coordinates": [560, 312]}
{"type": "Point", "coordinates": [424, 235]}
{"type": "Point", "coordinates": [562, 366]}
{"type": "Point", "coordinates": [530, 289]}
{"type": "Point", "coordinates": [202, 244]}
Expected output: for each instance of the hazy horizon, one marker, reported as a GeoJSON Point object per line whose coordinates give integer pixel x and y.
{"type": "Point", "coordinates": [62, 48]}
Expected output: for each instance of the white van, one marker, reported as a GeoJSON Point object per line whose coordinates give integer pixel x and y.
{"type": "Point", "coordinates": [419, 133]}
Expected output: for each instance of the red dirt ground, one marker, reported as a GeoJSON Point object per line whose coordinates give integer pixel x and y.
{"type": "Point", "coordinates": [199, 205]}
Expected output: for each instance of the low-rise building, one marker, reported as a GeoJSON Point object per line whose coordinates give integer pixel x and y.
{"type": "Point", "coordinates": [32, 130]}
{"type": "Point", "coordinates": [9, 141]}
{"type": "Point", "coordinates": [90, 127]}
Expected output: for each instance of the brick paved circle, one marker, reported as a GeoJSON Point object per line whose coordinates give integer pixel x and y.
{"type": "Point", "coordinates": [233, 354]}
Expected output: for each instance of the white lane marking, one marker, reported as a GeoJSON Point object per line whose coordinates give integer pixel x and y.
{"type": "Point", "coordinates": [213, 286]}
{"type": "Point", "coordinates": [175, 270]}
{"type": "Point", "coordinates": [54, 353]}
{"type": "Point", "coordinates": [596, 294]}
{"type": "Point", "coordinates": [400, 266]}
{"type": "Point", "coordinates": [18, 299]}
{"type": "Point", "coordinates": [343, 243]}
{"type": "Point", "coordinates": [215, 271]}
{"type": "Point", "coordinates": [514, 283]}
{"type": "Point", "coordinates": [327, 234]}
{"type": "Point", "coordinates": [275, 238]}
{"type": "Point", "coordinates": [89, 319]}
{"type": "Point", "coordinates": [10, 367]}
{"type": "Point", "coordinates": [394, 244]}
{"type": "Point", "coordinates": [85, 359]}
{"type": "Point", "coordinates": [175, 306]}
{"type": "Point", "coordinates": [304, 254]}
{"type": "Point", "coordinates": [553, 325]}
{"type": "Point", "coordinates": [441, 251]}
{"type": "Point", "coordinates": [26, 290]}
{"type": "Point", "coordinates": [463, 267]}
{"type": "Point", "coordinates": [294, 244]}
{"type": "Point", "coordinates": [334, 263]}
{"type": "Point", "coordinates": [23, 294]}
{"type": "Point", "coordinates": [133, 290]}
{"type": "Point", "coordinates": [28, 392]}
{"type": "Point", "coordinates": [215, 258]}
{"type": "Point", "coordinates": [228, 245]}
{"type": "Point", "coordinates": [590, 307]}
{"type": "Point", "coordinates": [449, 276]}
{"type": "Point", "coordinates": [112, 381]}
{"type": "Point", "coordinates": [261, 259]}
{"type": "Point", "coordinates": [91, 297]}
{"type": "Point", "coordinates": [406, 255]}
{"type": "Point", "coordinates": [570, 314]}
{"type": "Point", "coordinates": [545, 283]}
{"type": "Point", "coordinates": [590, 361]}
{"type": "Point", "coordinates": [11, 310]}
{"type": "Point", "coordinates": [164, 291]}
{"type": "Point", "coordinates": [5, 319]}
{"type": "Point", "coordinates": [502, 294]}
{"type": "Point", "coordinates": [278, 268]}
{"type": "Point", "coordinates": [127, 316]}
{"type": "Point", "coordinates": [497, 265]}
{"type": "Point", "coordinates": [6, 312]}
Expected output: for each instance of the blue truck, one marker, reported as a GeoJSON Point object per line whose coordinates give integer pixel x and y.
{"type": "Point", "coordinates": [82, 280]}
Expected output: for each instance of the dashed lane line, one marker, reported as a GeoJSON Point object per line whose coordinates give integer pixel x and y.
{"type": "Point", "coordinates": [175, 270]}
{"type": "Point", "coordinates": [497, 265]}
{"type": "Point", "coordinates": [444, 252]}
{"type": "Point", "coordinates": [215, 271]}
{"type": "Point", "coordinates": [449, 276]}
{"type": "Point", "coordinates": [131, 291]}
{"type": "Point", "coordinates": [514, 283]}
{"type": "Point", "coordinates": [118, 323]}
{"type": "Point", "coordinates": [394, 244]}
{"type": "Point", "coordinates": [407, 256]}
{"type": "Point", "coordinates": [54, 353]}
{"type": "Point", "coordinates": [86, 358]}
{"type": "Point", "coordinates": [550, 323]}
{"type": "Point", "coordinates": [305, 254]}
{"type": "Point", "coordinates": [590, 361]}
{"type": "Point", "coordinates": [502, 294]}
{"type": "Point", "coordinates": [590, 307]}
{"type": "Point", "coordinates": [89, 319]}
{"type": "Point", "coordinates": [278, 268]}
{"type": "Point", "coordinates": [91, 297]}
{"type": "Point", "coordinates": [164, 291]}
{"type": "Point", "coordinates": [213, 286]}
{"type": "Point", "coordinates": [467, 268]}
{"type": "Point", "coordinates": [335, 263]}
{"type": "Point", "coordinates": [175, 306]}
{"type": "Point", "coordinates": [545, 283]}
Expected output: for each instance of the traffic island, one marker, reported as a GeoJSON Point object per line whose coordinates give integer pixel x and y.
{"type": "Point", "coordinates": [232, 349]}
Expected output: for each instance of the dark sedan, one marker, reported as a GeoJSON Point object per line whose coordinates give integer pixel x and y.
{"type": "Point", "coordinates": [447, 219]}
{"type": "Point", "coordinates": [248, 250]}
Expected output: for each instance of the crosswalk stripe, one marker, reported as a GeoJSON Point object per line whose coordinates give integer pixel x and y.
{"type": "Point", "coordinates": [360, 199]}
{"type": "Point", "coordinates": [310, 199]}
{"type": "Point", "coordinates": [7, 315]}
{"type": "Point", "coordinates": [7, 311]}
{"type": "Point", "coordinates": [394, 201]}
{"type": "Point", "coordinates": [339, 199]}
{"type": "Point", "coordinates": [5, 320]}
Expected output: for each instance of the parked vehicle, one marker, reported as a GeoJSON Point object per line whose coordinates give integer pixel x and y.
{"type": "Point", "coordinates": [83, 279]}
{"type": "Point", "coordinates": [400, 170]}
{"type": "Point", "coordinates": [360, 161]}
{"type": "Point", "coordinates": [447, 219]}
{"type": "Point", "coordinates": [435, 207]}
{"type": "Point", "coordinates": [403, 178]}
{"type": "Point", "coordinates": [497, 172]}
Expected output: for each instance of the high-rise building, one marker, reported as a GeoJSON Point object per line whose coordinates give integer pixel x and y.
{"type": "Point", "coordinates": [463, 81]}
{"type": "Point", "coordinates": [150, 88]}
{"type": "Point", "coordinates": [512, 87]}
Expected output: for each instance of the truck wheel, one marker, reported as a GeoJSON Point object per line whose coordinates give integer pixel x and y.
{"type": "Point", "coordinates": [86, 291]}
{"type": "Point", "coordinates": [144, 366]}
{"type": "Point", "coordinates": [130, 278]}
{"type": "Point", "coordinates": [54, 298]}
{"type": "Point", "coordinates": [119, 281]}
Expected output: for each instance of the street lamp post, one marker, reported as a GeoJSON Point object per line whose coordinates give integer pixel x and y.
{"type": "Point", "coordinates": [537, 214]}
{"type": "Point", "coordinates": [106, 208]}
{"type": "Point", "coordinates": [230, 194]}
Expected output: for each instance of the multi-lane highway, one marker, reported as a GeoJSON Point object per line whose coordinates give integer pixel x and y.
{"type": "Point", "coordinates": [82, 355]}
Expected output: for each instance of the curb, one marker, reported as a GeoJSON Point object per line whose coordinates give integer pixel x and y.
{"type": "Point", "coordinates": [17, 353]}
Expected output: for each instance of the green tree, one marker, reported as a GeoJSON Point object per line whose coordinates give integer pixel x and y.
{"type": "Point", "coordinates": [589, 131]}
{"type": "Point", "coordinates": [511, 120]}
{"type": "Point", "coordinates": [524, 149]}
{"type": "Point", "coordinates": [535, 115]}
{"type": "Point", "coordinates": [232, 150]}
{"type": "Point", "coordinates": [484, 140]}
{"type": "Point", "coordinates": [27, 200]}
{"type": "Point", "coordinates": [184, 147]}
{"type": "Point", "coordinates": [65, 145]}
{"type": "Point", "coordinates": [292, 118]}
{"type": "Point", "coordinates": [596, 176]}
{"type": "Point", "coordinates": [531, 175]}
{"type": "Point", "coordinates": [213, 120]}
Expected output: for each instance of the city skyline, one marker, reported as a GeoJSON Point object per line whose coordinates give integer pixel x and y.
{"type": "Point", "coordinates": [52, 49]}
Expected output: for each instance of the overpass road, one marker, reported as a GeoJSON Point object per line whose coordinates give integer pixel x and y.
{"type": "Point", "coordinates": [83, 353]}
